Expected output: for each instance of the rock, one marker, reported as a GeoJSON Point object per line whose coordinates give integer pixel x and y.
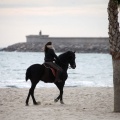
{"type": "Point", "coordinates": [38, 47]}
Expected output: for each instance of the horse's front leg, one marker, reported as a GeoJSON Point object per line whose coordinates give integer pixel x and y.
{"type": "Point", "coordinates": [60, 87]}
{"type": "Point", "coordinates": [61, 96]}
{"type": "Point", "coordinates": [56, 99]}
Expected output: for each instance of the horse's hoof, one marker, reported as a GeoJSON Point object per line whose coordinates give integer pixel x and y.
{"type": "Point", "coordinates": [61, 102]}
{"type": "Point", "coordinates": [37, 103]}
{"type": "Point", "coordinates": [55, 100]}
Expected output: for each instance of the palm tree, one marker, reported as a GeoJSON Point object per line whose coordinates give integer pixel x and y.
{"type": "Point", "coordinates": [114, 40]}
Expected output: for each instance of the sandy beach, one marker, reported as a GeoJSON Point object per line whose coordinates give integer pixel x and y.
{"type": "Point", "coordinates": [80, 104]}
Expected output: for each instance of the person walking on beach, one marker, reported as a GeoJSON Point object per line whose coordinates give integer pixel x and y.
{"type": "Point", "coordinates": [50, 58]}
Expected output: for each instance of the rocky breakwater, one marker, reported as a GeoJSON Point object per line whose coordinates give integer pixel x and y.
{"type": "Point", "coordinates": [59, 47]}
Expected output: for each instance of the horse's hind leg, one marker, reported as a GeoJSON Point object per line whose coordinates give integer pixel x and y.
{"type": "Point", "coordinates": [32, 93]}
{"type": "Point", "coordinates": [27, 100]}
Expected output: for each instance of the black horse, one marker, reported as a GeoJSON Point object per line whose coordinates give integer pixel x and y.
{"type": "Point", "coordinates": [39, 72]}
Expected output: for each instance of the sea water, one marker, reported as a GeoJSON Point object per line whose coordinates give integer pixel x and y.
{"type": "Point", "coordinates": [92, 70]}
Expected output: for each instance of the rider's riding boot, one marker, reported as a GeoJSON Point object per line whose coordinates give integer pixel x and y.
{"type": "Point", "coordinates": [57, 79]}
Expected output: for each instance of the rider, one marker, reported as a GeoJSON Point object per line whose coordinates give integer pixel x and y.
{"type": "Point", "coordinates": [49, 59]}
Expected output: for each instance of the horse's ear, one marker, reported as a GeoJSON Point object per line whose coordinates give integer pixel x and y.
{"type": "Point", "coordinates": [74, 51]}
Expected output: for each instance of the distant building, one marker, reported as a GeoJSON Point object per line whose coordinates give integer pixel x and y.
{"type": "Point", "coordinates": [72, 40]}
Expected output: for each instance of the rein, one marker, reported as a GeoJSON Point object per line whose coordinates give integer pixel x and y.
{"type": "Point", "coordinates": [45, 65]}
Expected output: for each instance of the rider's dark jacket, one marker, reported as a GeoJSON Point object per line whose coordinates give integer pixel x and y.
{"type": "Point", "coordinates": [50, 56]}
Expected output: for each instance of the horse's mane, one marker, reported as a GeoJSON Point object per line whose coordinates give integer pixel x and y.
{"type": "Point", "coordinates": [65, 55]}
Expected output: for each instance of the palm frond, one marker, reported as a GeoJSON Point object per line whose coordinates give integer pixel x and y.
{"type": "Point", "coordinates": [118, 2]}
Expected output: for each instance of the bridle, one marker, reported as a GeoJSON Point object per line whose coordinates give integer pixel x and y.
{"type": "Point", "coordinates": [69, 66]}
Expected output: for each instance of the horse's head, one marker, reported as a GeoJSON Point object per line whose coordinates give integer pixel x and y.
{"type": "Point", "coordinates": [71, 59]}
{"type": "Point", "coordinates": [66, 59]}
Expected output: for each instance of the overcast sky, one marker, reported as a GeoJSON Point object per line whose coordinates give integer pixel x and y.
{"type": "Point", "coordinates": [57, 18]}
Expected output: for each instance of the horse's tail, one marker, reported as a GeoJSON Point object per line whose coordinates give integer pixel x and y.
{"type": "Point", "coordinates": [27, 74]}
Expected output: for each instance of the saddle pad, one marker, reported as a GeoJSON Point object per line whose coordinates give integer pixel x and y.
{"type": "Point", "coordinates": [53, 71]}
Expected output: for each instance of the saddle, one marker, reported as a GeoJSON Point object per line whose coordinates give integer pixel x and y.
{"type": "Point", "coordinates": [52, 69]}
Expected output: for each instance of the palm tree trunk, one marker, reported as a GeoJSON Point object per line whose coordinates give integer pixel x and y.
{"type": "Point", "coordinates": [115, 49]}
{"type": "Point", "coordinates": [116, 81]}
